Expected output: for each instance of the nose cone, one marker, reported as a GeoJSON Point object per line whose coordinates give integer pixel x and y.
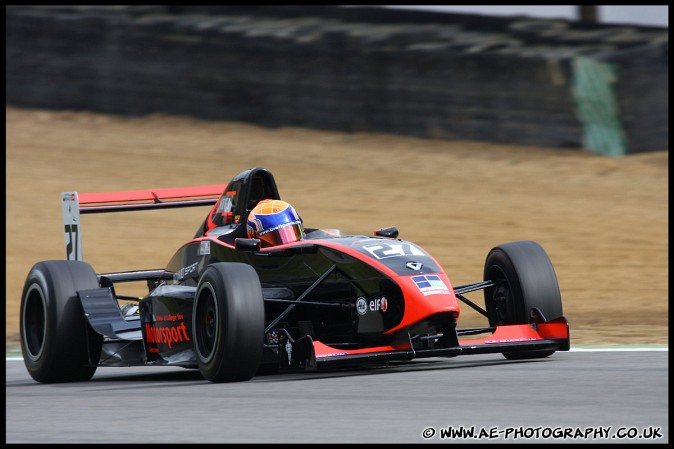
{"type": "Point", "coordinates": [426, 295]}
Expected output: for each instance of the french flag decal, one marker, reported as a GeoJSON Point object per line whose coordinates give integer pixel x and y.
{"type": "Point", "coordinates": [430, 285]}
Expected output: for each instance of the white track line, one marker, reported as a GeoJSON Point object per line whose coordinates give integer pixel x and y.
{"type": "Point", "coordinates": [620, 349]}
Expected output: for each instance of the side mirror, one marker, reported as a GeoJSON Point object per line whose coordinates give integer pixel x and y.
{"type": "Point", "coordinates": [247, 244]}
{"type": "Point", "coordinates": [391, 232]}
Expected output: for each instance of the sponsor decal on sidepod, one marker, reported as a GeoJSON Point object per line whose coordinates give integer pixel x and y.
{"type": "Point", "coordinates": [166, 334]}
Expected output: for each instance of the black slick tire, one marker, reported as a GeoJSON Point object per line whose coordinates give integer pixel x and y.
{"type": "Point", "coordinates": [526, 286]}
{"type": "Point", "coordinates": [57, 343]}
{"type": "Point", "coordinates": [228, 322]}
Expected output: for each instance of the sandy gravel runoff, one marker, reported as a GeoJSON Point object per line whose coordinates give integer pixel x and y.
{"type": "Point", "coordinates": [603, 221]}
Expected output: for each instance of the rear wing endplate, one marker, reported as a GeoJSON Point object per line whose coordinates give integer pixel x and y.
{"type": "Point", "coordinates": [74, 204]}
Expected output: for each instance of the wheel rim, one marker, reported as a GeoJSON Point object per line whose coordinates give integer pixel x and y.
{"type": "Point", "coordinates": [34, 320]}
{"type": "Point", "coordinates": [206, 323]}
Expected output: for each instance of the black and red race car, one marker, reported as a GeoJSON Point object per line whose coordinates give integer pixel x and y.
{"type": "Point", "coordinates": [229, 307]}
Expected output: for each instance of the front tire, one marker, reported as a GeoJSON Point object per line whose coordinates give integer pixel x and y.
{"type": "Point", "coordinates": [526, 289]}
{"type": "Point", "coordinates": [57, 343]}
{"type": "Point", "coordinates": [228, 322]}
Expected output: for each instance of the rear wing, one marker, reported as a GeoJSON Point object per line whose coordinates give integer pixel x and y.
{"type": "Point", "coordinates": [75, 204]}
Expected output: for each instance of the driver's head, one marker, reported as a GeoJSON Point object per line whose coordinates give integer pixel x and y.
{"type": "Point", "coordinates": [274, 222]}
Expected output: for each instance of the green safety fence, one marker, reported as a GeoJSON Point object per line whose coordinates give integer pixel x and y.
{"type": "Point", "coordinates": [597, 107]}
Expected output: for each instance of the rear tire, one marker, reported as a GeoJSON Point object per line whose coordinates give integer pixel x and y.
{"type": "Point", "coordinates": [526, 289]}
{"type": "Point", "coordinates": [57, 343]}
{"type": "Point", "coordinates": [228, 322]}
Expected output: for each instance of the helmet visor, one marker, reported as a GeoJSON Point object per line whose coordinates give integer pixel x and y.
{"type": "Point", "coordinates": [292, 232]}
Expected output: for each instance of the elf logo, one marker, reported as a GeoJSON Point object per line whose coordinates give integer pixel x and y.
{"type": "Point", "coordinates": [416, 266]}
{"type": "Point", "coordinates": [379, 304]}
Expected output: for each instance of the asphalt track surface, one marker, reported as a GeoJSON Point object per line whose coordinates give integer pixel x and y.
{"type": "Point", "coordinates": [592, 397]}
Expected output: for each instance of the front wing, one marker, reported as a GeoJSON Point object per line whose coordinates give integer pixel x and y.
{"type": "Point", "coordinates": [549, 336]}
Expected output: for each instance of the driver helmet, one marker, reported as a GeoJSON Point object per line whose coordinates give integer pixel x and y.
{"type": "Point", "coordinates": [274, 222]}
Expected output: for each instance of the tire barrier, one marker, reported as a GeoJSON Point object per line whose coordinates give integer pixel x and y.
{"type": "Point", "coordinates": [506, 80]}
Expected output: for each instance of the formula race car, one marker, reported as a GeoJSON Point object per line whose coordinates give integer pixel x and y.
{"type": "Point", "coordinates": [229, 306]}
